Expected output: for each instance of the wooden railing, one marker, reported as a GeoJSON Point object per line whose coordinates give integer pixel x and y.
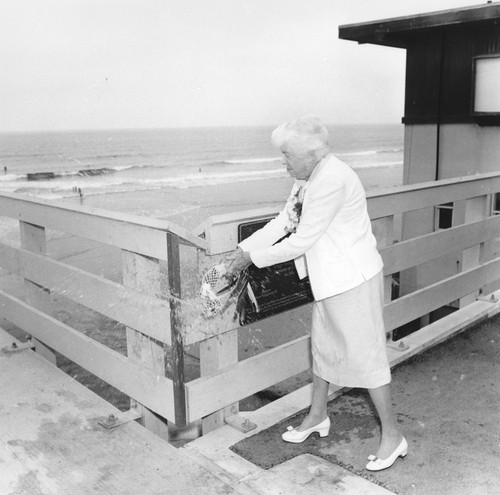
{"type": "Point", "coordinates": [145, 300]}
{"type": "Point", "coordinates": [162, 265]}
{"type": "Point", "coordinates": [230, 380]}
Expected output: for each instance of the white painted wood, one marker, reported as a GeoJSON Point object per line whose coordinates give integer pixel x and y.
{"type": "Point", "coordinates": [235, 382]}
{"type": "Point", "coordinates": [33, 238]}
{"type": "Point", "coordinates": [120, 303]}
{"type": "Point", "coordinates": [215, 354]}
{"type": "Point", "coordinates": [475, 209]}
{"type": "Point", "coordinates": [144, 274]}
{"type": "Point", "coordinates": [427, 299]}
{"type": "Point", "coordinates": [238, 216]}
{"type": "Point", "coordinates": [147, 387]}
{"type": "Point", "coordinates": [412, 252]}
{"type": "Point", "coordinates": [198, 328]}
{"type": "Point", "coordinates": [394, 200]}
{"type": "Point", "coordinates": [420, 150]}
{"type": "Point", "coordinates": [9, 259]}
{"type": "Point", "coordinates": [134, 233]}
{"type": "Point", "coordinates": [221, 230]}
{"type": "Point", "coordinates": [383, 230]}
{"type": "Point", "coordinates": [442, 329]}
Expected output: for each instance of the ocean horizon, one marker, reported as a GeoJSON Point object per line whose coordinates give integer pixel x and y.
{"type": "Point", "coordinates": [57, 165]}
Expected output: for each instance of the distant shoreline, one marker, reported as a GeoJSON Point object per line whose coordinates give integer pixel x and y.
{"type": "Point", "coordinates": [184, 128]}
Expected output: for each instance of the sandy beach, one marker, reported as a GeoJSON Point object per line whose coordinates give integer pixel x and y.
{"type": "Point", "coordinates": [190, 206]}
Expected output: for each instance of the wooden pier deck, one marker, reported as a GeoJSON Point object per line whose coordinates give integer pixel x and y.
{"type": "Point", "coordinates": [51, 442]}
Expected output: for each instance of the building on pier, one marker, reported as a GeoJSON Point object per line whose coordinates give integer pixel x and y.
{"type": "Point", "coordinates": [451, 116]}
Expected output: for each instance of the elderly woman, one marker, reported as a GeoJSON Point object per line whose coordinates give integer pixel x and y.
{"type": "Point", "coordinates": [331, 241]}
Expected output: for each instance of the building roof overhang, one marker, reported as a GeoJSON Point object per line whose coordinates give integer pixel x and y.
{"type": "Point", "coordinates": [397, 31]}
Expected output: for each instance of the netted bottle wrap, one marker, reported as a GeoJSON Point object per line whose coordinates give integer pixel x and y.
{"type": "Point", "coordinates": [218, 292]}
{"type": "Point", "coordinates": [212, 282]}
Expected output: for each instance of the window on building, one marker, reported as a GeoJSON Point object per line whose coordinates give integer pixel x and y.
{"type": "Point", "coordinates": [495, 204]}
{"type": "Point", "coordinates": [444, 216]}
{"type": "Point", "coordinates": [486, 89]}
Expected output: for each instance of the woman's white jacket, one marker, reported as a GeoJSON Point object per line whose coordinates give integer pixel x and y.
{"type": "Point", "coordinates": [333, 243]}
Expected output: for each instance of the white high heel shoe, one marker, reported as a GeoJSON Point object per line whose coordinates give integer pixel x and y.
{"type": "Point", "coordinates": [294, 436]}
{"type": "Point", "coordinates": [377, 464]}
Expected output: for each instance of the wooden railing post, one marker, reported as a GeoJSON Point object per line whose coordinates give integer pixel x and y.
{"type": "Point", "coordinates": [383, 230]}
{"type": "Point", "coordinates": [143, 273]}
{"type": "Point", "coordinates": [33, 238]}
{"type": "Point", "coordinates": [177, 349]}
{"type": "Point", "coordinates": [217, 353]}
{"type": "Point", "coordinates": [474, 209]}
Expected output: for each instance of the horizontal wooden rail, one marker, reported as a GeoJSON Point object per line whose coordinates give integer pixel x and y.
{"type": "Point", "coordinates": [135, 233]}
{"type": "Point", "coordinates": [206, 395]}
{"type": "Point", "coordinates": [392, 201]}
{"type": "Point", "coordinates": [413, 252]}
{"type": "Point", "coordinates": [142, 384]}
{"type": "Point", "coordinates": [120, 303]}
{"type": "Point", "coordinates": [221, 230]}
{"type": "Point", "coordinates": [427, 299]}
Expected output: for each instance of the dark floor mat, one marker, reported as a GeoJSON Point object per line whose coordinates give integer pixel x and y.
{"type": "Point", "coordinates": [447, 405]}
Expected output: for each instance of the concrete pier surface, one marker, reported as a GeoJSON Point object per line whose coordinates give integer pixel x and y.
{"type": "Point", "coordinates": [51, 442]}
{"type": "Point", "coordinates": [446, 398]}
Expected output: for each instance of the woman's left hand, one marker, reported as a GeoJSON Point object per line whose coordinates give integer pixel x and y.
{"type": "Point", "coordinates": [237, 261]}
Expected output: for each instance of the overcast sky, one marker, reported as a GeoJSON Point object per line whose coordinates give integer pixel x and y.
{"type": "Point", "coordinates": [93, 64]}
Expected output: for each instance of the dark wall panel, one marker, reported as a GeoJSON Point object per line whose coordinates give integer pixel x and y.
{"type": "Point", "coordinates": [439, 74]}
{"type": "Point", "coordinates": [422, 76]}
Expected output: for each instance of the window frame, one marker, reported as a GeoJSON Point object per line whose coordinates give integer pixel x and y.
{"type": "Point", "coordinates": [482, 118]}
{"type": "Point", "coordinates": [437, 215]}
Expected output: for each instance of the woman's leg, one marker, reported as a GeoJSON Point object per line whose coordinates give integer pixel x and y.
{"type": "Point", "coordinates": [317, 412]}
{"type": "Point", "coordinates": [391, 436]}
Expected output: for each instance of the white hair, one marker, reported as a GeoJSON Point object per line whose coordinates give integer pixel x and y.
{"type": "Point", "coordinates": [303, 135]}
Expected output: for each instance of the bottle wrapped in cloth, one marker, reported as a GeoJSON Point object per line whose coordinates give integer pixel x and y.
{"type": "Point", "coordinates": [220, 291]}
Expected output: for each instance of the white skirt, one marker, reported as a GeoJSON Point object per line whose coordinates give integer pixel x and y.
{"type": "Point", "coordinates": [348, 340]}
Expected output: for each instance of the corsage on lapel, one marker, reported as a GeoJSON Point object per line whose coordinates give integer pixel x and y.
{"type": "Point", "coordinates": [294, 209]}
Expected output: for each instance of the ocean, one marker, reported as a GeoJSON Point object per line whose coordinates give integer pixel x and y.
{"type": "Point", "coordinates": [56, 165]}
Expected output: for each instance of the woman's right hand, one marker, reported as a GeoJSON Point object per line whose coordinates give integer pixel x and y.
{"type": "Point", "coordinates": [236, 262]}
